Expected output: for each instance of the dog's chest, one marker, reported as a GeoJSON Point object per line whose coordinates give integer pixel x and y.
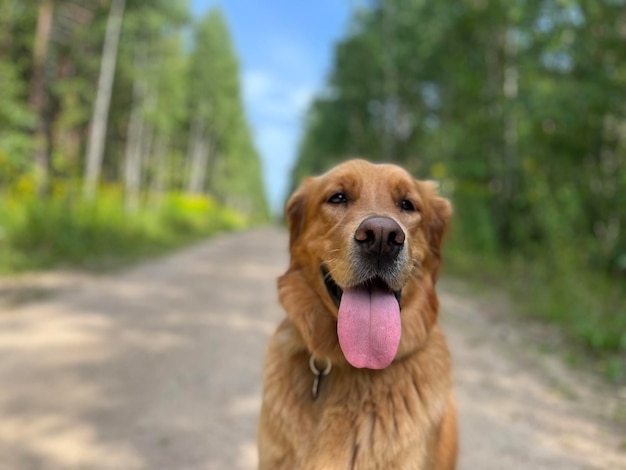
{"type": "Point", "coordinates": [357, 420]}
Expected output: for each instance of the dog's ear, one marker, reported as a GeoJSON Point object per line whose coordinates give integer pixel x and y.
{"type": "Point", "coordinates": [440, 216]}
{"type": "Point", "coordinates": [295, 210]}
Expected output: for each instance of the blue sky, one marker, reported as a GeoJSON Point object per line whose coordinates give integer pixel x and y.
{"type": "Point", "coordinates": [285, 50]}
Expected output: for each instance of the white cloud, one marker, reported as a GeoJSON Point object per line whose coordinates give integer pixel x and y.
{"type": "Point", "coordinates": [256, 84]}
{"type": "Point", "coordinates": [272, 97]}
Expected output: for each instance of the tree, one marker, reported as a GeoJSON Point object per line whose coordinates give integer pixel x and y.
{"type": "Point", "coordinates": [222, 158]}
{"type": "Point", "coordinates": [150, 25]}
{"type": "Point", "coordinates": [213, 94]}
{"type": "Point", "coordinates": [38, 93]}
{"type": "Point", "coordinates": [111, 82]}
{"type": "Point", "coordinates": [16, 119]}
{"type": "Point", "coordinates": [507, 101]}
{"type": "Point", "coordinates": [95, 144]}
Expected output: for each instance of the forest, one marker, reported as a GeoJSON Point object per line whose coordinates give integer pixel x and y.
{"type": "Point", "coordinates": [517, 108]}
{"type": "Point", "coordinates": [118, 135]}
{"type": "Point", "coordinates": [123, 134]}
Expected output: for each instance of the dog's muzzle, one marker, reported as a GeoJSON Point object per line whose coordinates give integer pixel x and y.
{"type": "Point", "coordinates": [379, 240]}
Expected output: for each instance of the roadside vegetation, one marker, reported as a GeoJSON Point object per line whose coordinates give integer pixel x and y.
{"type": "Point", "coordinates": [516, 108]}
{"type": "Point", "coordinates": [66, 231]}
{"type": "Point", "coordinates": [122, 132]}
{"type": "Point", "coordinates": [586, 306]}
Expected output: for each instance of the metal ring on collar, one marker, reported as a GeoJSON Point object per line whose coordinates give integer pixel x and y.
{"type": "Point", "coordinates": [316, 371]}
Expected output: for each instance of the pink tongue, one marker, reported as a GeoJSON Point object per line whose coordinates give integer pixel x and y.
{"type": "Point", "coordinates": [369, 327]}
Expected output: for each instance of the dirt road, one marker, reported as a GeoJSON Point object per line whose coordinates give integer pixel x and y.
{"type": "Point", "coordinates": [159, 367]}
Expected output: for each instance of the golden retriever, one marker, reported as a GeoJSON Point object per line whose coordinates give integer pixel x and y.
{"type": "Point", "coordinates": [358, 374]}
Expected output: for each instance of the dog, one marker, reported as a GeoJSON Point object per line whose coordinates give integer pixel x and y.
{"type": "Point", "coordinates": [358, 374]}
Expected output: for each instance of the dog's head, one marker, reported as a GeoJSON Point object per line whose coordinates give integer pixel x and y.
{"type": "Point", "coordinates": [365, 239]}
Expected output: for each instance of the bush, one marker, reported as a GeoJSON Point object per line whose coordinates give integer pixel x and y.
{"type": "Point", "coordinates": [66, 230]}
{"type": "Point", "coordinates": [587, 305]}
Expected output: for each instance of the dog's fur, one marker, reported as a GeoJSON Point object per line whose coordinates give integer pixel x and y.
{"type": "Point", "coordinates": [400, 417]}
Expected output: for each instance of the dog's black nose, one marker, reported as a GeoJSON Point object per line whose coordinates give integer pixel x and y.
{"type": "Point", "coordinates": [380, 236]}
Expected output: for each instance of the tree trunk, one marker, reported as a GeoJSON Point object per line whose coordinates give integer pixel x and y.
{"type": "Point", "coordinates": [510, 137]}
{"type": "Point", "coordinates": [197, 173]}
{"type": "Point", "coordinates": [38, 98]}
{"type": "Point", "coordinates": [148, 139]}
{"type": "Point", "coordinates": [198, 157]}
{"type": "Point", "coordinates": [159, 165]}
{"type": "Point", "coordinates": [95, 144]}
{"type": "Point", "coordinates": [132, 163]}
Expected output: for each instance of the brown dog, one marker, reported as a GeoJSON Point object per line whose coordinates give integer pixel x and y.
{"type": "Point", "coordinates": [358, 374]}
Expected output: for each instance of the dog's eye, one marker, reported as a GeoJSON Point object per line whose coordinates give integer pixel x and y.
{"type": "Point", "coordinates": [407, 205]}
{"type": "Point", "coordinates": [338, 198]}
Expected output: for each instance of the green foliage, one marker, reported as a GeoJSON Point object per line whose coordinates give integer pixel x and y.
{"type": "Point", "coordinates": [166, 66]}
{"type": "Point", "coordinates": [215, 102]}
{"type": "Point", "coordinates": [15, 118]}
{"type": "Point", "coordinates": [587, 306]}
{"type": "Point", "coordinates": [517, 108]}
{"type": "Point", "coordinates": [65, 230]}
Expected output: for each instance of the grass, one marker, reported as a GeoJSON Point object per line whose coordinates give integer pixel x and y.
{"type": "Point", "coordinates": [65, 230]}
{"type": "Point", "coordinates": [587, 306]}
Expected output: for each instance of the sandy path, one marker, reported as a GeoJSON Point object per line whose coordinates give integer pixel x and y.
{"type": "Point", "coordinates": [159, 367]}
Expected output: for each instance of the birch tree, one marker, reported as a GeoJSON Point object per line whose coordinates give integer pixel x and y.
{"type": "Point", "coordinates": [95, 143]}
{"type": "Point", "coordinates": [136, 131]}
{"type": "Point", "coordinates": [198, 153]}
{"type": "Point", "coordinates": [39, 95]}
{"type": "Point", "coordinates": [213, 78]}
{"type": "Point", "coordinates": [78, 67]}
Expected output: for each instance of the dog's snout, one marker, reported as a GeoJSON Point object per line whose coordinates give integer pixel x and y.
{"type": "Point", "coordinates": [381, 236]}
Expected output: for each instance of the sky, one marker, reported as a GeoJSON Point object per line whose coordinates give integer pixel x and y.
{"type": "Point", "coordinates": [285, 50]}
